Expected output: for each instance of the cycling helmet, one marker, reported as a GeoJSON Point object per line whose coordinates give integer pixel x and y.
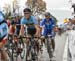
{"type": "Point", "coordinates": [47, 14]}
{"type": "Point", "coordinates": [65, 20]}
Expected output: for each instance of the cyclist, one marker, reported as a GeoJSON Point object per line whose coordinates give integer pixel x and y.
{"type": "Point", "coordinates": [60, 28]}
{"type": "Point", "coordinates": [28, 18]}
{"type": "Point", "coordinates": [12, 27]}
{"type": "Point", "coordinates": [67, 25]}
{"type": "Point", "coordinates": [16, 23]}
{"type": "Point", "coordinates": [48, 25]}
{"type": "Point", "coordinates": [3, 37]}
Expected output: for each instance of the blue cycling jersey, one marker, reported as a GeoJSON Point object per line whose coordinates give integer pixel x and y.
{"type": "Point", "coordinates": [48, 26]}
{"type": "Point", "coordinates": [31, 20]}
{"type": "Point", "coordinates": [3, 27]}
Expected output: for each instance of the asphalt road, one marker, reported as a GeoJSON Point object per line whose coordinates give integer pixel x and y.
{"type": "Point", "coordinates": [59, 49]}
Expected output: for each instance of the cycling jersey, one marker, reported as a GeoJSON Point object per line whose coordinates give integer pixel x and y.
{"type": "Point", "coordinates": [48, 26]}
{"type": "Point", "coordinates": [31, 20]}
{"type": "Point", "coordinates": [30, 30]}
{"type": "Point", "coordinates": [16, 26]}
{"type": "Point", "coordinates": [3, 29]}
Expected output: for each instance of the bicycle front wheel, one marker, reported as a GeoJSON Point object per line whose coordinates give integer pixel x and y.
{"type": "Point", "coordinates": [49, 48]}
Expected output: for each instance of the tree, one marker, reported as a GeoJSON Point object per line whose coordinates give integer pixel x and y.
{"type": "Point", "coordinates": [15, 6]}
{"type": "Point", "coordinates": [73, 7]}
{"type": "Point", "coordinates": [7, 10]}
{"type": "Point", "coordinates": [54, 18]}
{"type": "Point", "coordinates": [37, 6]}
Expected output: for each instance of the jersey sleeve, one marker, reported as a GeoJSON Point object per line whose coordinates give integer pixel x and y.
{"type": "Point", "coordinates": [53, 23]}
{"type": "Point", "coordinates": [42, 23]}
{"type": "Point", "coordinates": [22, 21]}
{"type": "Point", "coordinates": [35, 21]}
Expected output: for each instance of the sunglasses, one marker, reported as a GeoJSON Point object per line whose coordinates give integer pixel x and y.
{"type": "Point", "coordinates": [26, 13]}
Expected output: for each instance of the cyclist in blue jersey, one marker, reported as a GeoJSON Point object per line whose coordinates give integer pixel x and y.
{"type": "Point", "coordinates": [28, 18]}
{"type": "Point", "coordinates": [48, 25]}
{"type": "Point", "coordinates": [3, 38]}
{"type": "Point", "coordinates": [29, 24]}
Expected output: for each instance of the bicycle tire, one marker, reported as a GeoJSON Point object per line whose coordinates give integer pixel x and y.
{"type": "Point", "coordinates": [10, 53]}
{"type": "Point", "coordinates": [27, 54]}
{"type": "Point", "coordinates": [22, 55]}
{"type": "Point", "coordinates": [49, 48]}
{"type": "Point", "coordinates": [31, 52]}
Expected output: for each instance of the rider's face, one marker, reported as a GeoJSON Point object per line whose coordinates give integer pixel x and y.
{"type": "Point", "coordinates": [47, 17]}
{"type": "Point", "coordinates": [27, 15]}
{"type": "Point", "coordinates": [16, 18]}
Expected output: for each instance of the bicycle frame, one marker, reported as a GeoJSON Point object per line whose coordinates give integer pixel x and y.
{"type": "Point", "coordinates": [32, 48]}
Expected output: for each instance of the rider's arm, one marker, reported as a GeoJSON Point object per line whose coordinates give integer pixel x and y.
{"type": "Point", "coordinates": [36, 26]}
{"type": "Point", "coordinates": [22, 30]}
{"type": "Point", "coordinates": [12, 27]}
{"type": "Point", "coordinates": [42, 25]}
{"type": "Point", "coordinates": [22, 27]}
{"type": "Point", "coordinates": [1, 44]}
{"type": "Point", "coordinates": [53, 23]}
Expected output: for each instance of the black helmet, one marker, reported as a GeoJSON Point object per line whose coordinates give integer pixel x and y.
{"type": "Point", "coordinates": [47, 14]}
{"type": "Point", "coordinates": [27, 10]}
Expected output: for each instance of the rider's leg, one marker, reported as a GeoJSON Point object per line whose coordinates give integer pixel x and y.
{"type": "Point", "coordinates": [53, 40]}
{"type": "Point", "coordinates": [53, 44]}
{"type": "Point", "coordinates": [4, 55]}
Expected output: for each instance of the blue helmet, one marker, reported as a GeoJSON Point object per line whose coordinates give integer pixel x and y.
{"type": "Point", "coordinates": [1, 16]}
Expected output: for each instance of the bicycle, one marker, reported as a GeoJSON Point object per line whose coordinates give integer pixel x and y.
{"type": "Point", "coordinates": [32, 52]}
{"type": "Point", "coordinates": [49, 46]}
{"type": "Point", "coordinates": [14, 49]}
{"type": "Point", "coordinates": [32, 43]}
{"type": "Point", "coordinates": [10, 47]}
{"type": "Point", "coordinates": [20, 48]}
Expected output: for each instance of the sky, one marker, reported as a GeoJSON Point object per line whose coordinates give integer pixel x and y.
{"type": "Point", "coordinates": [52, 5]}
